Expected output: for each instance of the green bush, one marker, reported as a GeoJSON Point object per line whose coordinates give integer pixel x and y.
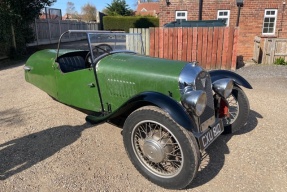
{"type": "Point", "coordinates": [124, 23]}
{"type": "Point", "coordinates": [22, 34]}
{"type": "Point", "coordinates": [280, 61]}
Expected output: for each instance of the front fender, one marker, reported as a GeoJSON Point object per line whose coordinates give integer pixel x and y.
{"type": "Point", "coordinates": [169, 105]}
{"type": "Point", "coordinates": [220, 74]}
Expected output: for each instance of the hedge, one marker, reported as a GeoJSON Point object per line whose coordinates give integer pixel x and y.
{"type": "Point", "coordinates": [124, 23]}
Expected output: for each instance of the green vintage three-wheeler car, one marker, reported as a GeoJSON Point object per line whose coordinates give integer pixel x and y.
{"type": "Point", "coordinates": [170, 111]}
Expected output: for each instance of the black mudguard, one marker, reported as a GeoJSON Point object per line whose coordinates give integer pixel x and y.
{"type": "Point", "coordinates": [220, 74]}
{"type": "Point", "coordinates": [166, 103]}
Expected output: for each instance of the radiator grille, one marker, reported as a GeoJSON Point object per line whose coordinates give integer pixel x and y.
{"type": "Point", "coordinates": [194, 76]}
{"type": "Point", "coordinates": [203, 82]}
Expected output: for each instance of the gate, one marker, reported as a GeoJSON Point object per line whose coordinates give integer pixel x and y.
{"type": "Point", "coordinates": [273, 49]}
{"type": "Point", "coordinates": [256, 49]}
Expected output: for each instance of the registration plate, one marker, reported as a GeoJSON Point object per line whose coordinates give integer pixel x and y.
{"type": "Point", "coordinates": [209, 136]}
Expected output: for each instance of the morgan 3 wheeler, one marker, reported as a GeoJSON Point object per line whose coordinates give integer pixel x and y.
{"type": "Point", "coordinates": [170, 111]}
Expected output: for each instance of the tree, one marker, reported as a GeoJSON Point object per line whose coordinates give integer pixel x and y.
{"type": "Point", "coordinates": [118, 7]}
{"type": "Point", "coordinates": [89, 12]}
{"type": "Point", "coordinates": [28, 10]}
{"type": "Point", "coordinates": [136, 2]}
{"type": "Point", "coordinates": [71, 10]}
{"type": "Point", "coordinates": [16, 18]}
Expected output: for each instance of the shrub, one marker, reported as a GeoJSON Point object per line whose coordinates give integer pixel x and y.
{"type": "Point", "coordinates": [280, 61]}
{"type": "Point", "coordinates": [124, 23]}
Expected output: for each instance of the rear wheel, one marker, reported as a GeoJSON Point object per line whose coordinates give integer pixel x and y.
{"type": "Point", "coordinates": [238, 110]}
{"type": "Point", "coordinates": [160, 149]}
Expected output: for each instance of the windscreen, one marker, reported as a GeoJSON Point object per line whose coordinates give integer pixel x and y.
{"type": "Point", "coordinates": [74, 41]}
{"type": "Point", "coordinates": [115, 41]}
{"type": "Point", "coordinates": [100, 42]}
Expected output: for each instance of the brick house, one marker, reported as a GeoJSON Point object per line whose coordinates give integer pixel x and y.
{"type": "Point", "coordinates": [264, 18]}
{"type": "Point", "coordinates": [147, 8]}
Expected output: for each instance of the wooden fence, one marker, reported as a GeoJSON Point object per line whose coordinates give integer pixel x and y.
{"type": "Point", "coordinates": [48, 31]}
{"type": "Point", "coordinates": [213, 48]}
{"type": "Point", "coordinates": [274, 48]}
{"type": "Point", "coordinates": [145, 37]}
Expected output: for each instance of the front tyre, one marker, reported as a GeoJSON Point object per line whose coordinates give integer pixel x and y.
{"type": "Point", "coordinates": [238, 111]}
{"type": "Point", "coordinates": [160, 149]}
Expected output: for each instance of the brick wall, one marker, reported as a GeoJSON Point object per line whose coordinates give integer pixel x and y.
{"type": "Point", "coordinates": [251, 18]}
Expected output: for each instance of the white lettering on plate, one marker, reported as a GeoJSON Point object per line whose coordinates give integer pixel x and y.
{"type": "Point", "coordinates": [208, 137]}
{"type": "Point", "coordinates": [216, 130]}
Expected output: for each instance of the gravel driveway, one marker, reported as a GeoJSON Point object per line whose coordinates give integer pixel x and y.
{"type": "Point", "coordinates": [47, 146]}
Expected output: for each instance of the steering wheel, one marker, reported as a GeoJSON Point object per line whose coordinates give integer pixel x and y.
{"type": "Point", "coordinates": [102, 48]}
{"type": "Point", "coordinates": [97, 51]}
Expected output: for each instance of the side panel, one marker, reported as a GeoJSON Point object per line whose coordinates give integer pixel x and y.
{"type": "Point", "coordinates": [121, 76]}
{"type": "Point", "coordinates": [41, 72]}
{"type": "Point", "coordinates": [78, 89]}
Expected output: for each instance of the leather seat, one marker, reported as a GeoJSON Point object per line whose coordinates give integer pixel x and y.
{"type": "Point", "coordinates": [73, 63]}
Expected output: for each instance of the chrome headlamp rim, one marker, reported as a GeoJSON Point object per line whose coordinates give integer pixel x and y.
{"type": "Point", "coordinates": [194, 100]}
{"type": "Point", "coordinates": [223, 87]}
{"type": "Point", "coordinates": [188, 76]}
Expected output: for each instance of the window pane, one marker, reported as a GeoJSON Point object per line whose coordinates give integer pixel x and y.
{"type": "Point", "coordinates": [266, 20]}
{"type": "Point", "coordinates": [223, 14]}
{"type": "Point", "coordinates": [180, 15]}
{"type": "Point", "coordinates": [270, 30]}
{"type": "Point", "coordinates": [269, 21]}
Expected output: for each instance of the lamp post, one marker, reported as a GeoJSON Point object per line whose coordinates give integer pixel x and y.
{"type": "Point", "coordinates": [239, 4]}
{"type": "Point", "coordinates": [200, 10]}
{"type": "Point", "coordinates": [167, 2]}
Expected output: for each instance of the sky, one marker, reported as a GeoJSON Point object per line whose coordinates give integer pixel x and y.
{"type": "Point", "coordinates": [99, 4]}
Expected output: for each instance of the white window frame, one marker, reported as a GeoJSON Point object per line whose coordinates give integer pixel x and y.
{"type": "Point", "coordinates": [227, 17]}
{"type": "Point", "coordinates": [181, 17]}
{"type": "Point", "coordinates": [270, 16]}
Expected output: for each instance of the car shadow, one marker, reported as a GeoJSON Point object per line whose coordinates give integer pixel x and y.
{"type": "Point", "coordinates": [22, 153]}
{"type": "Point", "coordinates": [214, 157]}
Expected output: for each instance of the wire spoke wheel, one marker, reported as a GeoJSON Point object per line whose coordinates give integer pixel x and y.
{"type": "Point", "coordinates": [160, 149]}
{"type": "Point", "coordinates": [157, 149]}
{"type": "Point", "coordinates": [233, 110]}
{"type": "Point", "coordinates": [238, 111]}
